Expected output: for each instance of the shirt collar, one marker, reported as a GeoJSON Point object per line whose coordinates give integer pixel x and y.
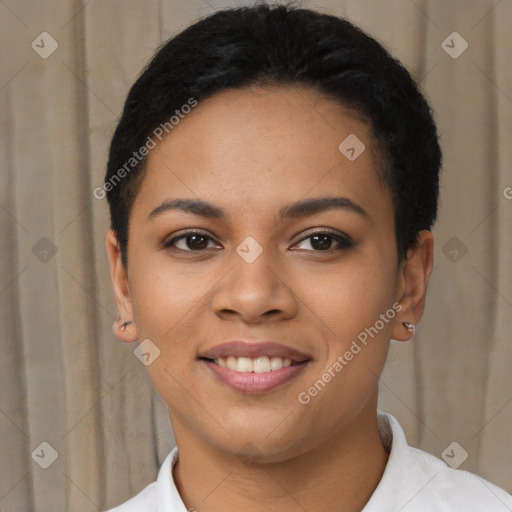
{"type": "Point", "coordinates": [168, 498]}
{"type": "Point", "coordinates": [403, 478]}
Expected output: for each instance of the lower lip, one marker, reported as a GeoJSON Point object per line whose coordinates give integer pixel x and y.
{"type": "Point", "coordinates": [252, 383]}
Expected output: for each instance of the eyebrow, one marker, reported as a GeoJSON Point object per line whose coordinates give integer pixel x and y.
{"type": "Point", "coordinates": [293, 210]}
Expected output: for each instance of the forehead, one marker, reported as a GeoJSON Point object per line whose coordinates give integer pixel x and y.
{"type": "Point", "coordinates": [262, 147]}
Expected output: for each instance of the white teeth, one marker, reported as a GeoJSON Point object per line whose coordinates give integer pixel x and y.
{"type": "Point", "coordinates": [276, 363]}
{"type": "Point", "coordinates": [244, 364]}
{"type": "Point", "coordinates": [261, 364]}
{"type": "Point", "coordinates": [230, 362]}
{"type": "Point", "coordinates": [258, 365]}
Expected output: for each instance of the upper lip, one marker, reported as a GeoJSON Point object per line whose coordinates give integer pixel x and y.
{"type": "Point", "coordinates": [253, 349]}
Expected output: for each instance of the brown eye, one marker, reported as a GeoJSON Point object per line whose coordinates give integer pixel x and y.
{"type": "Point", "coordinates": [321, 242]}
{"type": "Point", "coordinates": [324, 241]}
{"type": "Point", "coordinates": [191, 241]}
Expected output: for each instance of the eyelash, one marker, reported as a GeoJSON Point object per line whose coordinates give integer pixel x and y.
{"type": "Point", "coordinates": [343, 240]}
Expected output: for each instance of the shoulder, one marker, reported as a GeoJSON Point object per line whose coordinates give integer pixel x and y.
{"type": "Point", "coordinates": [144, 501]}
{"type": "Point", "coordinates": [158, 495]}
{"type": "Point", "coordinates": [455, 488]}
{"type": "Point", "coordinates": [416, 481]}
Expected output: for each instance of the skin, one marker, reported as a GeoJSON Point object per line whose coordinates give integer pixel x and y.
{"type": "Point", "coordinates": [250, 152]}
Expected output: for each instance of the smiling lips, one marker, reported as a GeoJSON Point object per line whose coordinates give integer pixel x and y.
{"type": "Point", "coordinates": [254, 367]}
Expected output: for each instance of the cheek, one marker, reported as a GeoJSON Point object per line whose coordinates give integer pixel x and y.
{"type": "Point", "coordinates": [357, 341]}
{"type": "Point", "coordinates": [169, 303]}
{"type": "Point", "coordinates": [351, 297]}
{"type": "Point", "coordinates": [349, 306]}
{"type": "Point", "coordinates": [166, 295]}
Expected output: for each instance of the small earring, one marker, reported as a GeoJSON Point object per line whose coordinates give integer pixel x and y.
{"type": "Point", "coordinates": [123, 326]}
{"type": "Point", "coordinates": [410, 327]}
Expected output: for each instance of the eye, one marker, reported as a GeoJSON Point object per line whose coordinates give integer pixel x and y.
{"type": "Point", "coordinates": [322, 241]}
{"type": "Point", "coordinates": [319, 241]}
{"type": "Point", "coordinates": [190, 241]}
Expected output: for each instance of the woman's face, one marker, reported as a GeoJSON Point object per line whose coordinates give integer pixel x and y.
{"type": "Point", "coordinates": [253, 270]}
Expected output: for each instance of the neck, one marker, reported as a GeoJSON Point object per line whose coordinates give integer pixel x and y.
{"type": "Point", "coordinates": [341, 473]}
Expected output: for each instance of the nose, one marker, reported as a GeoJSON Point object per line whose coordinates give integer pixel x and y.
{"type": "Point", "coordinates": [255, 292]}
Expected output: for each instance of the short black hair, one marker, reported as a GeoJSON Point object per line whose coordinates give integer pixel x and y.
{"type": "Point", "coordinates": [284, 46]}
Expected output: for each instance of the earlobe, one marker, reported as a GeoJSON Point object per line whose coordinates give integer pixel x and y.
{"type": "Point", "coordinates": [415, 275]}
{"type": "Point", "coordinates": [407, 331]}
{"type": "Point", "coordinates": [125, 331]}
{"type": "Point", "coordinates": [124, 325]}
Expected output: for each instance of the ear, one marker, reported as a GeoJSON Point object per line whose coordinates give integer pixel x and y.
{"type": "Point", "coordinates": [122, 296]}
{"type": "Point", "coordinates": [414, 275]}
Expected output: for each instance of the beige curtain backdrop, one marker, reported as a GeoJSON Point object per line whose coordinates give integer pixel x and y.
{"type": "Point", "coordinates": [70, 390]}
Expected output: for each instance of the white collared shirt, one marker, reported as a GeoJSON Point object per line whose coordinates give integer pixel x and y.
{"type": "Point", "coordinates": [413, 481]}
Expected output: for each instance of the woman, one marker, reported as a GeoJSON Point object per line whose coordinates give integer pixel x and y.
{"type": "Point", "coordinates": [272, 185]}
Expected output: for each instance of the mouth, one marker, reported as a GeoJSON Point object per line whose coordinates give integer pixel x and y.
{"type": "Point", "coordinates": [254, 368]}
